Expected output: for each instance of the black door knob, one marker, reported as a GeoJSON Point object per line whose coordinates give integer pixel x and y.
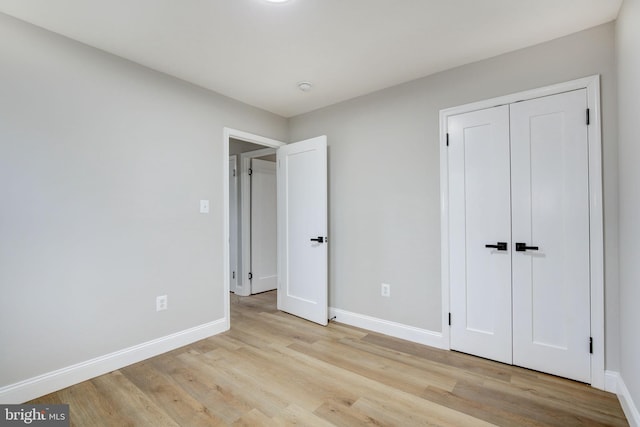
{"type": "Point", "coordinates": [320, 239]}
{"type": "Point", "coordinates": [501, 246]}
{"type": "Point", "coordinates": [521, 247]}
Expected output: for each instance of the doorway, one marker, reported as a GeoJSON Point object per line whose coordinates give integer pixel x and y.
{"type": "Point", "coordinates": [246, 142]}
{"type": "Point", "coordinates": [253, 243]}
{"type": "Point", "coordinates": [302, 224]}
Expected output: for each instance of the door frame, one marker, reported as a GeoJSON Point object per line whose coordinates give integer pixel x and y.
{"type": "Point", "coordinates": [596, 249]}
{"type": "Point", "coordinates": [229, 133]}
{"type": "Point", "coordinates": [234, 157]}
{"type": "Point", "coordinates": [245, 216]}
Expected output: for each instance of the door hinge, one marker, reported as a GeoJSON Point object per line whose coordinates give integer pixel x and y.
{"type": "Point", "coordinates": [449, 319]}
{"type": "Point", "coordinates": [447, 139]}
{"type": "Point", "coordinates": [588, 118]}
{"type": "Point", "coordinates": [233, 274]}
{"type": "Point", "coordinates": [250, 171]}
{"type": "Point", "coordinates": [250, 276]}
{"type": "Point", "coordinates": [591, 345]}
{"type": "Point", "coordinates": [234, 172]}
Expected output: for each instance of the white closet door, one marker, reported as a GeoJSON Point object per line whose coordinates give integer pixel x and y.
{"type": "Point", "coordinates": [479, 209]}
{"type": "Point", "coordinates": [550, 211]}
{"type": "Point", "coordinates": [264, 261]}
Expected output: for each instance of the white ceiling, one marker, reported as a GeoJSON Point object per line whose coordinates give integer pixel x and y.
{"type": "Point", "coordinates": [257, 52]}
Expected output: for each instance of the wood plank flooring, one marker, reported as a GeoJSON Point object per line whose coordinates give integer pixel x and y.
{"type": "Point", "coordinates": [272, 368]}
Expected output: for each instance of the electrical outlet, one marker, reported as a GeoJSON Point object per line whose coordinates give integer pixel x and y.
{"type": "Point", "coordinates": [161, 302]}
{"type": "Point", "coordinates": [385, 290]}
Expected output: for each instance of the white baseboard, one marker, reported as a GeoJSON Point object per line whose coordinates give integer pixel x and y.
{"type": "Point", "coordinates": [628, 405]}
{"type": "Point", "coordinates": [397, 330]}
{"type": "Point", "coordinates": [51, 381]}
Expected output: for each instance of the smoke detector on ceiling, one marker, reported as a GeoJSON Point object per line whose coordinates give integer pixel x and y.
{"type": "Point", "coordinates": [305, 86]}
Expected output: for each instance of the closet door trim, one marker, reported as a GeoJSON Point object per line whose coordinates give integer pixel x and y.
{"type": "Point", "coordinates": [592, 85]}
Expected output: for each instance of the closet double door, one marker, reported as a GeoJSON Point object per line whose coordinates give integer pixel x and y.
{"type": "Point", "coordinates": [519, 234]}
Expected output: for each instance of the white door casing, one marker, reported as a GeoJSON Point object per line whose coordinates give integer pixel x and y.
{"type": "Point", "coordinates": [479, 197]}
{"type": "Point", "coordinates": [563, 191]}
{"type": "Point", "coordinates": [233, 223]}
{"type": "Point", "coordinates": [550, 212]}
{"type": "Point", "coordinates": [302, 216]}
{"type": "Point", "coordinates": [263, 226]}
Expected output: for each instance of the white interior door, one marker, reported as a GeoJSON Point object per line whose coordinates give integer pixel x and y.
{"type": "Point", "coordinates": [263, 226]}
{"type": "Point", "coordinates": [479, 216]}
{"type": "Point", "coordinates": [519, 174]}
{"type": "Point", "coordinates": [302, 229]}
{"type": "Point", "coordinates": [550, 205]}
{"type": "Point", "coordinates": [233, 223]}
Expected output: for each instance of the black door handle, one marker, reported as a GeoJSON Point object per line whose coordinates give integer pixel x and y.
{"type": "Point", "coordinates": [501, 246]}
{"type": "Point", "coordinates": [521, 247]}
{"type": "Point", "coordinates": [320, 239]}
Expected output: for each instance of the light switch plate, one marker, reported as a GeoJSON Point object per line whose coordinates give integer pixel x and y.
{"type": "Point", "coordinates": [204, 206]}
{"type": "Point", "coordinates": [385, 290]}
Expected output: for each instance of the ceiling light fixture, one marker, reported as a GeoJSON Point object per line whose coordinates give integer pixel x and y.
{"type": "Point", "coordinates": [305, 86]}
{"type": "Point", "coordinates": [277, 1]}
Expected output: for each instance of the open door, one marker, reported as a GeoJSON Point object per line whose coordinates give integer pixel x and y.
{"type": "Point", "coordinates": [302, 229]}
{"type": "Point", "coordinates": [263, 226]}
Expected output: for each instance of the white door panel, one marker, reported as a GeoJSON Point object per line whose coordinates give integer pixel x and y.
{"type": "Point", "coordinates": [479, 200]}
{"type": "Point", "coordinates": [551, 300]}
{"type": "Point", "coordinates": [519, 174]}
{"type": "Point", "coordinates": [302, 216]}
{"type": "Point", "coordinates": [263, 226]}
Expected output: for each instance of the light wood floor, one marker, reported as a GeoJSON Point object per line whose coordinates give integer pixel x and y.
{"type": "Point", "coordinates": [272, 368]}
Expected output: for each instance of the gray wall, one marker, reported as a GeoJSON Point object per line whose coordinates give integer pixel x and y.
{"type": "Point", "coordinates": [102, 165]}
{"type": "Point", "coordinates": [628, 56]}
{"type": "Point", "coordinates": [238, 147]}
{"type": "Point", "coordinates": [384, 176]}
